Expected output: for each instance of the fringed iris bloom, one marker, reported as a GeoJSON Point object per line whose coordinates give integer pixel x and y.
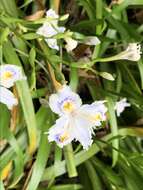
{"type": "Point", "coordinates": [9, 74]}
{"type": "Point", "coordinates": [76, 121]}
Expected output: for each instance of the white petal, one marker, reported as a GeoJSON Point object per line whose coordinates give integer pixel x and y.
{"type": "Point", "coordinates": [52, 43]}
{"type": "Point", "coordinates": [7, 97]}
{"type": "Point", "coordinates": [71, 44]}
{"type": "Point", "coordinates": [91, 40]}
{"type": "Point", "coordinates": [121, 105]}
{"type": "Point", "coordinates": [61, 132]}
{"type": "Point", "coordinates": [65, 101]}
{"type": "Point", "coordinates": [61, 29]}
{"type": "Point", "coordinates": [70, 127]}
{"type": "Point", "coordinates": [47, 30]}
{"type": "Point", "coordinates": [9, 74]}
{"type": "Point", "coordinates": [51, 14]}
{"type": "Point", "coordinates": [132, 53]}
{"type": "Point", "coordinates": [94, 113]}
{"type": "Point", "coordinates": [82, 132]}
{"type": "Point", "coordinates": [53, 103]}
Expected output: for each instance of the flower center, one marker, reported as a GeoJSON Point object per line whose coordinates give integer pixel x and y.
{"type": "Point", "coordinates": [68, 106]}
{"type": "Point", "coordinates": [7, 75]}
{"type": "Point", "coordinates": [64, 137]}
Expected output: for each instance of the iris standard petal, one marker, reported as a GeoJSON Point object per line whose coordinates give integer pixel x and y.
{"type": "Point", "coordinates": [53, 103]}
{"type": "Point", "coordinates": [64, 101]}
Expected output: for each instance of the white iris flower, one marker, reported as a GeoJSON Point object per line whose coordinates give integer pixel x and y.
{"type": "Point", "coordinates": [121, 105]}
{"type": "Point", "coordinates": [76, 121]}
{"type": "Point", "coordinates": [9, 74]}
{"type": "Point", "coordinates": [51, 28]}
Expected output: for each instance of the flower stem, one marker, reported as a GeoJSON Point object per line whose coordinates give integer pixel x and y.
{"type": "Point", "coordinates": [108, 59]}
{"type": "Point", "coordinates": [70, 161]}
{"type": "Point", "coordinates": [98, 27]}
{"type": "Point", "coordinates": [73, 78]}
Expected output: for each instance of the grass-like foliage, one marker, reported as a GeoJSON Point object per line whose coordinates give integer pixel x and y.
{"type": "Point", "coordinates": [93, 46]}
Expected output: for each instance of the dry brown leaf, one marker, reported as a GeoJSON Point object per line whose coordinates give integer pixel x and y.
{"type": "Point", "coordinates": [37, 15]}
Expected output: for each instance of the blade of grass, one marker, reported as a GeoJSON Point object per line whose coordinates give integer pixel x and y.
{"type": "Point", "coordinates": [25, 98]}
{"type": "Point", "coordinates": [95, 180]}
{"type": "Point", "coordinates": [10, 7]}
{"type": "Point", "coordinates": [9, 154]}
{"type": "Point", "coordinates": [140, 66]}
{"type": "Point", "coordinates": [99, 15]}
{"type": "Point", "coordinates": [40, 163]}
{"type": "Point", "coordinates": [65, 187]}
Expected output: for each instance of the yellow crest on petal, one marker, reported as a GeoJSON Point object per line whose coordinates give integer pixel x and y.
{"type": "Point", "coordinates": [94, 118]}
{"type": "Point", "coordinates": [64, 137]}
{"type": "Point", "coordinates": [7, 75]}
{"type": "Point", "coordinates": [68, 106]}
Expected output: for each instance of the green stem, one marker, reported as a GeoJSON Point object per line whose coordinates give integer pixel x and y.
{"type": "Point", "coordinates": [114, 130]}
{"type": "Point", "coordinates": [140, 66]}
{"type": "Point", "coordinates": [98, 27]}
{"type": "Point", "coordinates": [99, 16]}
{"type": "Point", "coordinates": [70, 161]}
{"type": "Point", "coordinates": [73, 78]}
{"type": "Point", "coordinates": [108, 59]}
{"type": "Point", "coordinates": [1, 59]}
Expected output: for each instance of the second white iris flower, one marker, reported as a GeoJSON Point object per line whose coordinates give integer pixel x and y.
{"type": "Point", "coordinates": [76, 121]}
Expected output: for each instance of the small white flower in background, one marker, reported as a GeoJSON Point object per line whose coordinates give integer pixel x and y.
{"type": "Point", "coordinates": [121, 105]}
{"type": "Point", "coordinates": [132, 53]}
{"type": "Point", "coordinates": [51, 28]}
{"type": "Point", "coordinates": [71, 44]}
{"type": "Point", "coordinates": [9, 74]}
{"type": "Point", "coordinates": [91, 40]}
{"type": "Point", "coordinates": [76, 121]}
